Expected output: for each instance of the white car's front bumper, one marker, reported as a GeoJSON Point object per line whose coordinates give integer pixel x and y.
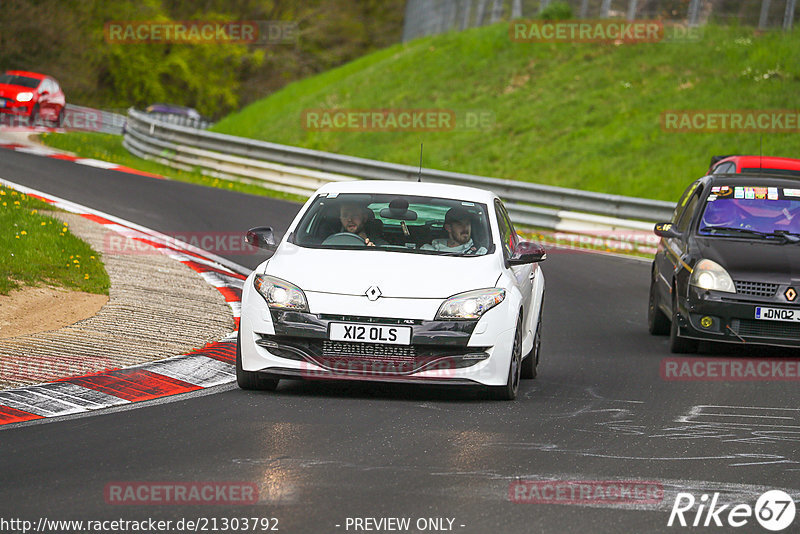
{"type": "Point", "coordinates": [291, 345]}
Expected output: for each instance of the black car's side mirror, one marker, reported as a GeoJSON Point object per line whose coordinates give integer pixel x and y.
{"type": "Point", "coordinates": [261, 237]}
{"type": "Point", "coordinates": [527, 252]}
{"type": "Point", "coordinates": [666, 229]}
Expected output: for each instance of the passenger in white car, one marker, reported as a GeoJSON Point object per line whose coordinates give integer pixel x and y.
{"type": "Point", "coordinates": [458, 225]}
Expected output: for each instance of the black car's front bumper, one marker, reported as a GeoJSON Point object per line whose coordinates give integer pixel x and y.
{"type": "Point", "coordinates": [730, 317]}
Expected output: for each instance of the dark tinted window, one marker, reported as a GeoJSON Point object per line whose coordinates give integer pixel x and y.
{"type": "Point", "coordinates": [758, 208]}
{"type": "Point", "coordinates": [725, 168]}
{"type": "Point", "coordinates": [686, 216]}
{"type": "Point", "coordinates": [682, 202]}
{"type": "Point", "coordinates": [508, 235]}
{"type": "Point", "coordinates": [14, 79]}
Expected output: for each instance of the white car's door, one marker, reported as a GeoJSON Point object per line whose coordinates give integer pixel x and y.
{"type": "Point", "coordinates": [523, 274]}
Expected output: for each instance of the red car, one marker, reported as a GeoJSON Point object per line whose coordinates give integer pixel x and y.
{"type": "Point", "coordinates": [30, 96]}
{"type": "Point", "coordinates": [754, 164]}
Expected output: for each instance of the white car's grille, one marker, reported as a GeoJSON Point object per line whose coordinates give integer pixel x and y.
{"type": "Point", "coordinates": [368, 350]}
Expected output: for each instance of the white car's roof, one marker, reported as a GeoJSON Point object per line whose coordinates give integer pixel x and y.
{"type": "Point", "coordinates": [457, 192]}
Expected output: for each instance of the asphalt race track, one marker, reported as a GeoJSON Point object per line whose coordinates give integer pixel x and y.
{"type": "Point", "coordinates": [324, 452]}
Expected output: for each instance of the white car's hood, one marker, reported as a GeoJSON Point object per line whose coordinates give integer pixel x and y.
{"type": "Point", "coordinates": [396, 274]}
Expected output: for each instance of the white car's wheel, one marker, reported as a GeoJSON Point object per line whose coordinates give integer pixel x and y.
{"type": "Point", "coordinates": [530, 363]}
{"type": "Point", "coordinates": [249, 379]}
{"type": "Point", "coordinates": [509, 391]}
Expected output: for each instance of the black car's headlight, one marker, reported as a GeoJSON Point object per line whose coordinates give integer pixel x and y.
{"type": "Point", "coordinates": [280, 293]}
{"type": "Point", "coordinates": [709, 274]}
{"type": "Point", "coordinates": [470, 305]}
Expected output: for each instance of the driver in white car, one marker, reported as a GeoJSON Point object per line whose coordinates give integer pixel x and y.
{"type": "Point", "coordinates": [354, 220]}
{"type": "Point", "coordinates": [458, 225]}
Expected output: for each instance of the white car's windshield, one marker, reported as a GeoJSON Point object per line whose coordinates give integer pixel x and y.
{"type": "Point", "coordinates": [401, 223]}
{"type": "Point", "coordinates": [751, 211]}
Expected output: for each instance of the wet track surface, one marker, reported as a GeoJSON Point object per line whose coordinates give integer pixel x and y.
{"type": "Point", "coordinates": [321, 452]}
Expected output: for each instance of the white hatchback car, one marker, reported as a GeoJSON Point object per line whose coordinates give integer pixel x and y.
{"type": "Point", "coordinates": [394, 281]}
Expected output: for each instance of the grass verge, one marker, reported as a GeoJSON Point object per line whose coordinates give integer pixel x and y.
{"type": "Point", "coordinates": [37, 249]}
{"type": "Point", "coordinates": [578, 115]}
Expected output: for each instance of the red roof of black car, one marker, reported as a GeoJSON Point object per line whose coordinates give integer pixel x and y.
{"type": "Point", "coordinates": [765, 162]}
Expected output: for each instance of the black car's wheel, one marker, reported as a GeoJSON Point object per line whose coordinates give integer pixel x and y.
{"type": "Point", "coordinates": [530, 363]}
{"type": "Point", "coordinates": [677, 344]}
{"type": "Point", "coordinates": [658, 324]}
{"type": "Point", "coordinates": [249, 379]}
{"type": "Point", "coordinates": [509, 391]}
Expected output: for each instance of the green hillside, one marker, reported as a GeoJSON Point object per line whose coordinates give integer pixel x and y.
{"type": "Point", "coordinates": [574, 115]}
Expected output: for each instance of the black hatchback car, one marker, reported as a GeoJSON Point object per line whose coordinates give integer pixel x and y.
{"type": "Point", "coordinates": [728, 264]}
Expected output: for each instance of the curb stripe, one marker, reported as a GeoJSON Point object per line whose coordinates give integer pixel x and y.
{"type": "Point", "coordinates": [224, 352]}
{"type": "Point", "coordinates": [231, 294]}
{"type": "Point", "coordinates": [96, 218]}
{"type": "Point", "coordinates": [65, 157]}
{"type": "Point", "coordinates": [89, 162]}
{"type": "Point", "coordinates": [211, 365]}
{"type": "Point", "coordinates": [133, 384]}
{"type": "Point", "coordinates": [10, 415]}
{"type": "Point", "coordinates": [201, 372]}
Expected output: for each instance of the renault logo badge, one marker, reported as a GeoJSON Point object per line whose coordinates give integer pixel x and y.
{"type": "Point", "coordinates": [373, 293]}
{"type": "Point", "coordinates": [790, 294]}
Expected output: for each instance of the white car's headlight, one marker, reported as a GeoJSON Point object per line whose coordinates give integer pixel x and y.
{"type": "Point", "coordinates": [280, 293]}
{"type": "Point", "coordinates": [24, 97]}
{"type": "Point", "coordinates": [708, 274]}
{"type": "Point", "coordinates": [470, 305]}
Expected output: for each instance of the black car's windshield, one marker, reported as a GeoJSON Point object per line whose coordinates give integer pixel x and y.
{"type": "Point", "coordinates": [398, 223]}
{"type": "Point", "coordinates": [751, 212]}
{"type": "Point", "coordinates": [15, 79]}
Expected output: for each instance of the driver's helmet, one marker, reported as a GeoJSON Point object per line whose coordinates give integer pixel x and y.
{"type": "Point", "coordinates": [721, 213]}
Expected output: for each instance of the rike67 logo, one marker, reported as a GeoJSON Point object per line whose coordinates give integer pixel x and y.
{"type": "Point", "coordinates": [774, 510]}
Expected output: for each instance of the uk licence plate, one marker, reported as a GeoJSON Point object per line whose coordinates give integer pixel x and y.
{"type": "Point", "coordinates": [371, 333]}
{"type": "Point", "coordinates": [777, 314]}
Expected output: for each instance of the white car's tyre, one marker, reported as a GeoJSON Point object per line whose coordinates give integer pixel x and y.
{"type": "Point", "coordinates": [509, 391]}
{"type": "Point", "coordinates": [249, 379]}
{"type": "Point", "coordinates": [530, 364]}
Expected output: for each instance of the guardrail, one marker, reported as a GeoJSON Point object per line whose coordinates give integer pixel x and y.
{"type": "Point", "coordinates": [301, 171]}
{"type": "Point", "coordinates": [183, 120]}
